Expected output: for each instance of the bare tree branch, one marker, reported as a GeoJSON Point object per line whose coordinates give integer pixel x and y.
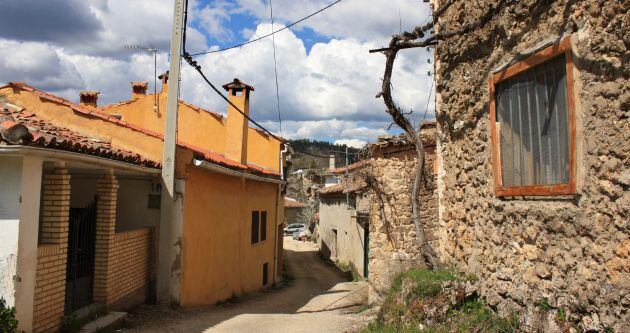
{"type": "Point", "coordinates": [408, 40]}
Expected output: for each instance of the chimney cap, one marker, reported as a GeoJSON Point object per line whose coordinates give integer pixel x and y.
{"type": "Point", "coordinates": [163, 75]}
{"type": "Point", "coordinates": [91, 93]}
{"type": "Point", "coordinates": [237, 85]}
{"type": "Point", "coordinates": [140, 84]}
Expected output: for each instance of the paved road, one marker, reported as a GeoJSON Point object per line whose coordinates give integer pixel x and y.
{"type": "Point", "coordinates": [318, 300]}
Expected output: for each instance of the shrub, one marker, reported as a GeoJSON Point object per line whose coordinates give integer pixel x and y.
{"type": "Point", "coordinates": [8, 323]}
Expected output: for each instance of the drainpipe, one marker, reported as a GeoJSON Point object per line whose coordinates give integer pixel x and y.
{"type": "Point", "coordinates": [275, 245]}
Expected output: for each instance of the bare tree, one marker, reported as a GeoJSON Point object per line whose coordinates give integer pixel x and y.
{"type": "Point", "coordinates": [414, 39]}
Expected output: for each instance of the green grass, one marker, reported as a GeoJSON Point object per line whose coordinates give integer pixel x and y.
{"type": "Point", "coordinates": [424, 287]}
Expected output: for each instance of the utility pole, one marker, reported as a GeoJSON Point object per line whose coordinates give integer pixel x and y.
{"type": "Point", "coordinates": [347, 181]}
{"type": "Point", "coordinates": [169, 221]}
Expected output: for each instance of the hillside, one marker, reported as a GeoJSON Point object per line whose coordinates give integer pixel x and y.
{"type": "Point", "coordinates": [301, 160]}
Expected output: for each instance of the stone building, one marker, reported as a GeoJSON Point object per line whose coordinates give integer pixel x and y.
{"type": "Point", "coordinates": [343, 231]}
{"type": "Point", "coordinates": [533, 177]}
{"type": "Point", "coordinates": [393, 245]}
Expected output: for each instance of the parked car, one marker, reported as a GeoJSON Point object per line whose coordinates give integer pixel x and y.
{"type": "Point", "coordinates": [293, 227]}
{"type": "Point", "coordinates": [302, 234]}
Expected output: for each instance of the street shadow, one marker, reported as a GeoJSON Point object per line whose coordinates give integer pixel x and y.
{"type": "Point", "coordinates": [315, 286]}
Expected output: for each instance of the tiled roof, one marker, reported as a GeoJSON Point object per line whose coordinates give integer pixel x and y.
{"type": "Point", "coordinates": [21, 127]}
{"type": "Point", "coordinates": [292, 203]}
{"type": "Point", "coordinates": [351, 167]}
{"type": "Point", "coordinates": [208, 155]}
{"type": "Point", "coordinates": [353, 185]}
{"type": "Point", "coordinates": [428, 138]}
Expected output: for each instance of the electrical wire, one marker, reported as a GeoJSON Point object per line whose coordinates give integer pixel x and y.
{"type": "Point", "coordinates": [275, 68]}
{"type": "Point", "coordinates": [428, 99]}
{"type": "Point", "coordinates": [189, 59]}
{"type": "Point", "coordinates": [269, 34]}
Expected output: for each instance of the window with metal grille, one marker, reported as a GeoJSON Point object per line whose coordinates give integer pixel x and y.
{"type": "Point", "coordinates": [532, 112]}
{"type": "Point", "coordinates": [255, 227]}
{"type": "Point", "coordinates": [263, 226]}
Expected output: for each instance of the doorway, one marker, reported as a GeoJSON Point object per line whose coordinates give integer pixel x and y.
{"type": "Point", "coordinates": [80, 262]}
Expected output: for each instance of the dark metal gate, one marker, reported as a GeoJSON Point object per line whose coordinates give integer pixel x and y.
{"type": "Point", "coordinates": [80, 269]}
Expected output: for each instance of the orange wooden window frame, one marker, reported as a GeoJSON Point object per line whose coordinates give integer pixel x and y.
{"type": "Point", "coordinates": [564, 47]}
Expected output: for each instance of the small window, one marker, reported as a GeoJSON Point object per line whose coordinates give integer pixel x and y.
{"type": "Point", "coordinates": [255, 227]}
{"type": "Point", "coordinates": [532, 138]}
{"type": "Point", "coordinates": [265, 276]}
{"type": "Point", "coordinates": [154, 201]}
{"type": "Point", "coordinates": [263, 226]}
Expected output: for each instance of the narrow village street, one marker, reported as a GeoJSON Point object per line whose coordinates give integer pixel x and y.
{"type": "Point", "coordinates": [318, 299]}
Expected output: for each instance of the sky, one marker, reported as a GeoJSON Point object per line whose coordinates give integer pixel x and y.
{"type": "Point", "coordinates": [327, 79]}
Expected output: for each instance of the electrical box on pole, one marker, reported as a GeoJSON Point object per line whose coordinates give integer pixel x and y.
{"type": "Point", "coordinates": [168, 231]}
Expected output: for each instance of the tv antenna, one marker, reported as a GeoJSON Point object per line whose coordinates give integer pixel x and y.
{"type": "Point", "coordinates": [154, 51]}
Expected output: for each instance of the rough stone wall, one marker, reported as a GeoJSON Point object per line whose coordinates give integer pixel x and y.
{"type": "Point", "coordinates": [572, 252]}
{"type": "Point", "coordinates": [393, 245]}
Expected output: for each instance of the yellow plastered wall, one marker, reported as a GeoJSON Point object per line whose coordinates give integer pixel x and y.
{"type": "Point", "coordinates": [194, 126]}
{"type": "Point", "coordinates": [63, 116]}
{"type": "Point", "coordinates": [197, 127]}
{"type": "Point", "coordinates": [265, 150]}
{"type": "Point", "coordinates": [219, 260]}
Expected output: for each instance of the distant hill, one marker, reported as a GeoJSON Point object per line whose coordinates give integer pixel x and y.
{"type": "Point", "coordinates": [321, 148]}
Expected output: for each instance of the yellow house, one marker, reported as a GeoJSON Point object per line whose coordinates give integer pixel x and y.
{"type": "Point", "coordinates": [226, 232]}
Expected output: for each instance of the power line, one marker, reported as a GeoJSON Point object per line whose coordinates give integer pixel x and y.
{"type": "Point", "coordinates": [428, 99]}
{"type": "Point", "coordinates": [189, 59]}
{"type": "Point", "coordinates": [275, 68]}
{"type": "Point", "coordinates": [269, 34]}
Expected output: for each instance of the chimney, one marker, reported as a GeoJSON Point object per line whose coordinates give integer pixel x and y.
{"type": "Point", "coordinates": [88, 98]}
{"type": "Point", "coordinates": [236, 129]}
{"type": "Point", "coordinates": [164, 79]}
{"type": "Point", "coordinates": [139, 88]}
{"type": "Point", "coordinates": [331, 162]}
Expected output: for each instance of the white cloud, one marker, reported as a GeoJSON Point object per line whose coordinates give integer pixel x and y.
{"type": "Point", "coordinates": [327, 92]}
{"type": "Point", "coordinates": [336, 80]}
{"type": "Point", "coordinates": [351, 143]}
{"type": "Point", "coordinates": [356, 19]}
{"type": "Point", "coordinates": [38, 64]}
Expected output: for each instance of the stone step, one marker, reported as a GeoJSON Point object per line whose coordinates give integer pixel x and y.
{"type": "Point", "coordinates": [111, 320]}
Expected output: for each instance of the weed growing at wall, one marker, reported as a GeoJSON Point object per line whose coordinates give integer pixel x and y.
{"type": "Point", "coordinates": [423, 300]}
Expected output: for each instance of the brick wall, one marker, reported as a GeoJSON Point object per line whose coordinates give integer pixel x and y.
{"type": "Point", "coordinates": [50, 288]}
{"type": "Point", "coordinates": [107, 191]}
{"type": "Point", "coordinates": [132, 266]}
{"type": "Point", "coordinates": [50, 282]}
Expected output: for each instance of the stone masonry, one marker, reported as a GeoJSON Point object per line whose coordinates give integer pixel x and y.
{"type": "Point", "coordinates": [569, 252]}
{"type": "Point", "coordinates": [393, 243]}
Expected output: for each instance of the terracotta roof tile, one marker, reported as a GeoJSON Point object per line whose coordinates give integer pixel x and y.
{"type": "Point", "coordinates": [208, 155]}
{"type": "Point", "coordinates": [24, 128]}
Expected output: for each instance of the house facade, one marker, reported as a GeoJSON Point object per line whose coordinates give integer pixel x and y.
{"type": "Point", "coordinates": [85, 178]}
{"type": "Point", "coordinates": [533, 161]}
{"type": "Point", "coordinates": [343, 236]}
{"type": "Point", "coordinates": [366, 218]}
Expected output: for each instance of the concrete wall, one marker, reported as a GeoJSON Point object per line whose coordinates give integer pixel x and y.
{"type": "Point", "coordinates": [291, 214]}
{"type": "Point", "coordinates": [346, 245]}
{"type": "Point", "coordinates": [132, 210]}
{"type": "Point", "coordinates": [218, 260]}
{"type": "Point", "coordinates": [570, 251]}
{"type": "Point", "coordinates": [10, 190]}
